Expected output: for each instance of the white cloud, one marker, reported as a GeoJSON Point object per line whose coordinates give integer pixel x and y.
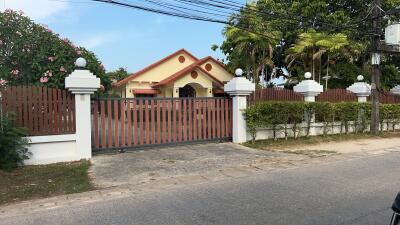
{"type": "Point", "coordinates": [99, 40]}
{"type": "Point", "coordinates": [35, 9]}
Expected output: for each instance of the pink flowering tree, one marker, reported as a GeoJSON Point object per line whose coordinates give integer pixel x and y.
{"type": "Point", "coordinates": [31, 54]}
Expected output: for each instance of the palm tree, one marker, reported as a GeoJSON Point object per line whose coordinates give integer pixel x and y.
{"type": "Point", "coordinates": [312, 45]}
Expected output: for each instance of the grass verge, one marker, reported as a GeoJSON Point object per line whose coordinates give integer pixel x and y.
{"type": "Point", "coordinates": [301, 141]}
{"type": "Point", "coordinates": [32, 182]}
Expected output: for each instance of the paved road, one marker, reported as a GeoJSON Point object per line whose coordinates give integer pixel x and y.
{"type": "Point", "coordinates": [357, 191]}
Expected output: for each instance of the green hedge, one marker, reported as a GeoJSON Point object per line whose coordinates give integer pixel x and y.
{"type": "Point", "coordinates": [278, 115]}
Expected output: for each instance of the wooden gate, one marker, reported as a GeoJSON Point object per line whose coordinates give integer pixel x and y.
{"type": "Point", "coordinates": [125, 123]}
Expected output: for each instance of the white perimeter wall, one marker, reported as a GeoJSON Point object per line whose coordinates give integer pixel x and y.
{"type": "Point", "coordinates": [53, 149]}
{"type": "Point", "coordinates": [316, 129]}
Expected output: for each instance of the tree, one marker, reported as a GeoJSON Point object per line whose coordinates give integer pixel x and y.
{"type": "Point", "coordinates": [31, 54]}
{"type": "Point", "coordinates": [118, 74]}
{"type": "Point", "coordinates": [251, 51]}
{"type": "Point", "coordinates": [310, 31]}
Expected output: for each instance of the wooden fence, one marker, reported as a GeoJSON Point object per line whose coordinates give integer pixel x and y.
{"type": "Point", "coordinates": [330, 95]}
{"type": "Point", "coordinates": [336, 95]}
{"type": "Point", "coordinates": [128, 123]}
{"type": "Point", "coordinates": [389, 98]}
{"type": "Point", "coordinates": [274, 94]}
{"type": "Point", "coordinates": [42, 110]}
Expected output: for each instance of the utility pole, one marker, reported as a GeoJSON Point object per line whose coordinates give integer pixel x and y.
{"type": "Point", "coordinates": [376, 71]}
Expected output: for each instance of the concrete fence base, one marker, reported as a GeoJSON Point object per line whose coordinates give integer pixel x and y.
{"type": "Point", "coordinates": [52, 149]}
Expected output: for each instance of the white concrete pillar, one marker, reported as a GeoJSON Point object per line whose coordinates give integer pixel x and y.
{"type": "Point", "coordinates": [239, 88]}
{"type": "Point", "coordinates": [309, 89]}
{"type": "Point", "coordinates": [395, 90]}
{"type": "Point", "coordinates": [82, 83]}
{"type": "Point", "coordinates": [361, 89]}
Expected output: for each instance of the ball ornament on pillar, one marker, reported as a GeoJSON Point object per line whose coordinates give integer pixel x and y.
{"type": "Point", "coordinates": [360, 78]}
{"type": "Point", "coordinates": [238, 72]}
{"type": "Point", "coordinates": [307, 75]}
{"type": "Point", "coordinates": [80, 63]}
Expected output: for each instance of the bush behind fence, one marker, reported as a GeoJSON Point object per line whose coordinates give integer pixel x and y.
{"type": "Point", "coordinates": [289, 116]}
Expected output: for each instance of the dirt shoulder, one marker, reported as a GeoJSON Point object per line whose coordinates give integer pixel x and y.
{"type": "Point", "coordinates": [351, 146]}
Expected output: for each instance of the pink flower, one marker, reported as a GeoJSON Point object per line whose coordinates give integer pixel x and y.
{"type": "Point", "coordinates": [62, 69]}
{"type": "Point", "coordinates": [1, 42]}
{"type": "Point", "coordinates": [14, 72]}
{"type": "Point", "coordinates": [14, 63]}
{"type": "Point", "coordinates": [79, 52]}
{"type": "Point", "coordinates": [48, 74]}
{"type": "Point", "coordinates": [44, 79]}
{"type": "Point", "coordinates": [49, 30]}
{"type": "Point", "coordinates": [51, 58]}
{"type": "Point", "coordinates": [8, 11]}
{"type": "Point", "coordinates": [20, 12]}
{"type": "Point", "coordinates": [3, 82]}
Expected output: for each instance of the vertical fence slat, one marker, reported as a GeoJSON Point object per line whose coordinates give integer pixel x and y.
{"type": "Point", "coordinates": [170, 105]}
{"type": "Point", "coordinates": [103, 123]}
{"type": "Point", "coordinates": [223, 118]}
{"type": "Point", "coordinates": [146, 104]}
{"type": "Point", "coordinates": [109, 124]}
{"type": "Point", "coordinates": [135, 122]}
{"type": "Point", "coordinates": [174, 105]}
{"type": "Point", "coordinates": [179, 111]}
{"type": "Point", "coordinates": [60, 111]}
{"type": "Point", "coordinates": [153, 122]}
{"type": "Point", "coordinates": [129, 121]}
{"type": "Point", "coordinates": [95, 123]}
{"type": "Point", "coordinates": [209, 120]}
{"type": "Point", "coordinates": [204, 116]}
{"type": "Point", "coordinates": [185, 130]}
{"type": "Point", "coordinates": [200, 115]}
{"type": "Point", "coordinates": [218, 120]}
{"type": "Point", "coordinates": [158, 103]}
{"type": "Point", "coordinates": [190, 120]}
{"type": "Point", "coordinates": [164, 120]}
{"type": "Point", "coordinates": [116, 125]}
{"type": "Point", "coordinates": [141, 130]}
{"type": "Point", "coordinates": [195, 116]}
{"type": "Point", "coordinates": [122, 122]}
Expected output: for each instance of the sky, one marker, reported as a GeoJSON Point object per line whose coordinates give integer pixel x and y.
{"type": "Point", "coordinates": [121, 37]}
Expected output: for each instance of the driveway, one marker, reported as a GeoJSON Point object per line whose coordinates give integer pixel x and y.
{"type": "Point", "coordinates": [163, 163]}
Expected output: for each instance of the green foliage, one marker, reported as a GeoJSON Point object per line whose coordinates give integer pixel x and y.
{"type": "Point", "coordinates": [31, 54]}
{"type": "Point", "coordinates": [344, 74]}
{"type": "Point", "coordinates": [347, 112]}
{"type": "Point", "coordinates": [309, 35]}
{"type": "Point", "coordinates": [282, 116]}
{"type": "Point", "coordinates": [13, 144]}
{"type": "Point", "coordinates": [118, 74]}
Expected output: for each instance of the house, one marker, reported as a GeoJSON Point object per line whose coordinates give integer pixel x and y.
{"type": "Point", "coordinates": [178, 75]}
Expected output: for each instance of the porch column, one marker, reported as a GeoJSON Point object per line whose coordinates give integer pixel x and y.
{"type": "Point", "coordinates": [175, 92]}
{"type": "Point", "coordinates": [239, 88]}
{"type": "Point", "coordinates": [209, 92]}
{"type": "Point", "coordinates": [82, 83]}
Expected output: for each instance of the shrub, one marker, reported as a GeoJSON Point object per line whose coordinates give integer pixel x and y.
{"type": "Point", "coordinates": [278, 116]}
{"type": "Point", "coordinates": [13, 144]}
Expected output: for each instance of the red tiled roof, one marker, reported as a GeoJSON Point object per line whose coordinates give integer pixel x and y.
{"type": "Point", "coordinates": [185, 71]}
{"type": "Point", "coordinates": [203, 60]}
{"type": "Point", "coordinates": [134, 75]}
